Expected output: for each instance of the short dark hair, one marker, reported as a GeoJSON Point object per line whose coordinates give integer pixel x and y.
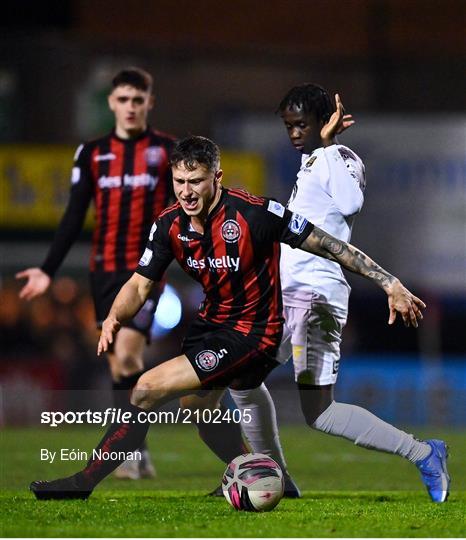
{"type": "Point", "coordinates": [312, 98]}
{"type": "Point", "coordinates": [133, 76]}
{"type": "Point", "coordinates": [195, 150]}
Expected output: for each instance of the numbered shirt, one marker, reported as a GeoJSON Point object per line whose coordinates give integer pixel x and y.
{"type": "Point", "coordinates": [329, 192]}
{"type": "Point", "coordinates": [236, 260]}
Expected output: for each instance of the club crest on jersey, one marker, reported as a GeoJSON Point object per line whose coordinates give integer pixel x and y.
{"type": "Point", "coordinates": [309, 162]}
{"type": "Point", "coordinates": [231, 231]}
{"type": "Point", "coordinates": [153, 155]}
{"type": "Point", "coordinates": [208, 360]}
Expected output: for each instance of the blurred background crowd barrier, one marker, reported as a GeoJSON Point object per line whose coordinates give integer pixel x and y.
{"type": "Point", "coordinates": [220, 70]}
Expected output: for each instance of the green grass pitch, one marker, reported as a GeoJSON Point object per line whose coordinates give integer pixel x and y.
{"type": "Point", "coordinates": [348, 491]}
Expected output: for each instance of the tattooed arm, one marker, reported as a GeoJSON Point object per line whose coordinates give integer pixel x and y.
{"type": "Point", "coordinates": [399, 298]}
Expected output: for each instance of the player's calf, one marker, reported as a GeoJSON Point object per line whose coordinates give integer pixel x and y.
{"type": "Point", "coordinates": [116, 446]}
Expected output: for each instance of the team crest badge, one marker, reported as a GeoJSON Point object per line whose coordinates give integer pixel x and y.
{"type": "Point", "coordinates": [309, 162]}
{"type": "Point", "coordinates": [207, 360]}
{"type": "Point", "coordinates": [231, 231]}
{"type": "Point", "coordinates": [153, 155]}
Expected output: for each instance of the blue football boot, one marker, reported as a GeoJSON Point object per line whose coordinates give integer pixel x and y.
{"type": "Point", "coordinates": [434, 472]}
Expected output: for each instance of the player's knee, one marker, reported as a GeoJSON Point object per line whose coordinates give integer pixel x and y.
{"type": "Point", "coordinates": [311, 416]}
{"type": "Point", "coordinates": [311, 412]}
{"type": "Point", "coordinates": [142, 396]}
{"type": "Point", "coordinates": [305, 378]}
{"type": "Point", "coordinates": [146, 393]}
{"type": "Point", "coordinates": [128, 364]}
{"type": "Point", "coordinates": [314, 401]}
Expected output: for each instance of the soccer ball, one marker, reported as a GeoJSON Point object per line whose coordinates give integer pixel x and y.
{"type": "Point", "coordinates": [253, 482]}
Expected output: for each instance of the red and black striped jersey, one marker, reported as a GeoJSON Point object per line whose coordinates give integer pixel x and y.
{"type": "Point", "coordinates": [129, 181]}
{"type": "Point", "coordinates": [236, 259]}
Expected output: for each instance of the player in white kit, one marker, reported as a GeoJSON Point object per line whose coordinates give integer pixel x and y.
{"type": "Point", "coordinates": [329, 193]}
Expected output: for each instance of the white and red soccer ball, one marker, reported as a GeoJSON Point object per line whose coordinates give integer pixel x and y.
{"type": "Point", "coordinates": [253, 482]}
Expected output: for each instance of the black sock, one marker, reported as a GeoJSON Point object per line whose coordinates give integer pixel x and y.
{"type": "Point", "coordinates": [224, 439]}
{"type": "Point", "coordinates": [121, 391]}
{"type": "Point", "coordinates": [118, 440]}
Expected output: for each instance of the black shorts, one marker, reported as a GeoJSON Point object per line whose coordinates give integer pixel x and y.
{"type": "Point", "coordinates": [104, 288]}
{"type": "Point", "coordinates": [222, 357]}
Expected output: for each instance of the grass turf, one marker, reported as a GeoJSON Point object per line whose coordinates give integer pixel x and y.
{"type": "Point", "coordinates": [348, 491]}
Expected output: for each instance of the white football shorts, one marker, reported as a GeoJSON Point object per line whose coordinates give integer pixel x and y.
{"type": "Point", "coordinates": [312, 337]}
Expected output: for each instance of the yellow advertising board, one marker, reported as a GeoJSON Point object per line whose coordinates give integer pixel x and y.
{"type": "Point", "coordinates": [35, 181]}
{"type": "Point", "coordinates": [34, 184]}
{"type": "Point", "coordinates": [245, 170]}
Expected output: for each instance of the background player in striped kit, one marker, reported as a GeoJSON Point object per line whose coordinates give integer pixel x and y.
{"type": "Point", "coordinates": [227, 240]}
{"type": "Point", "coordinates": [329, 192]}
{"type": "Point", "coordinates": [127, 175]}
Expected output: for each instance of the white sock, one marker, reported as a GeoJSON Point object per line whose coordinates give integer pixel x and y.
{"type": "Point", "coordinates": [262, 430]}
{"type": "Point", "coordinates": [365, 429]}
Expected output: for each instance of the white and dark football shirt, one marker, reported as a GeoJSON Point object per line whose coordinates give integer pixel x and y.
{"type": "Point", "coordinates": [329, 193]}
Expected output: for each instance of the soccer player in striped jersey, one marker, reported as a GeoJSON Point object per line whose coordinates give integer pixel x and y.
{"type": "Point", "coordinates": [127, 175]}
{"type": "Point", "coordinates": [228, 241]}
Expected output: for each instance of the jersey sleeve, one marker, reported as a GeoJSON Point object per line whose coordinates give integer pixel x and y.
{"type": "Point", "coordinates": [277, 223]}
{"type": "Point", "coordinates": [346, 180]}
{"type": "Point", "coordinates": [158, 253]}
{"type": "Point", "coordinates": [73, 218]}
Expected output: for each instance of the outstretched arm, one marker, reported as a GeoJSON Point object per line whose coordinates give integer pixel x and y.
{"type": "Point", "coordinates": [128, 302]}
{"type": "Point", "coordinates": [399, 298]}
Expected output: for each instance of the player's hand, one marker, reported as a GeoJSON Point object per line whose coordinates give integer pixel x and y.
{"type": "Point", "coordinates": [37, 283]}
{"type": "Point", "coordinates": [109, 328]}
{"type": "Point", "coordinates": [339, 121]}
{"type": "Point", "coordinates": [402, 301]}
